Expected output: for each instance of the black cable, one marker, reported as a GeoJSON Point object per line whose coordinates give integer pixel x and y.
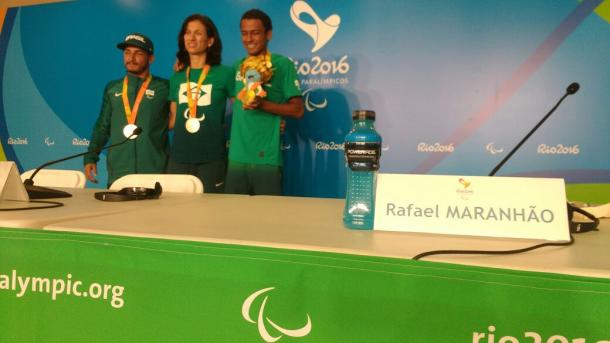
{"type": "Point", "coordinates": [52, 204]}
{"type": "Point", "coordinates": [493, 252]}
{"type": "Point", "coordinates": [575, 227]}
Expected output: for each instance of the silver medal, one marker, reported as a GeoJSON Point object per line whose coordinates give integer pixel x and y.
{"type": "Point", "coordinates": [192, 125]}
{"type": "Point", "coordinates": [128, 130]}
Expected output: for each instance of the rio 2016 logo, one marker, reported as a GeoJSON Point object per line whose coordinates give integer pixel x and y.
{"type": "Point", "coordinates": [322, 31]}
{"type": "Point", "coordinates": [318, 72]}
{"type": "Point", "coordinates": [464, 183]}
{"type": "Point", "coordinates": [261, 318]}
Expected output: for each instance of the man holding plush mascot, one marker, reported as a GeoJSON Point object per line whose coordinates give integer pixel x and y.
{"type": "Point", "coordinates": [267, 88]}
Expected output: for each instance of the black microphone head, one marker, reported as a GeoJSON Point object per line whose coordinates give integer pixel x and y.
{"type": "Point", "coordinates": [573, 88]}
{"type": "Point", "coordinates": [138, 130]}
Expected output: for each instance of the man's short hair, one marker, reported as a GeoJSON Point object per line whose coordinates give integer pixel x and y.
{"type": "Point", "coordinates": [255, 13]}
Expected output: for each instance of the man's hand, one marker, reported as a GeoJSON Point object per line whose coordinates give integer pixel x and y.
{"type": "Point", "coordinates": [91, 172]}
{"type": "Point", "coordinates": [256, 103]}
{"type": "Point", "coordinates": [177, 66]}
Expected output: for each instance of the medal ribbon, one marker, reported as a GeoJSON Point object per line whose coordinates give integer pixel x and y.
{"type": "Point", "coordinates": [189, 92]}
{"type": "Point", "coordinates": [268, 59]}
{"type": "Point", "coordinates": [139, 97]}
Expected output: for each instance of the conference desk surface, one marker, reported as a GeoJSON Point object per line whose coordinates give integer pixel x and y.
{"type": "Point", "coordinates": [314, 224]}
{"type": "Point", "coordinates": [81, 205]}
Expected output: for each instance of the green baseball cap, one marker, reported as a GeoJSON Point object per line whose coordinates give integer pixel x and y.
{"type": "Point", "coordinates": [139, 41]}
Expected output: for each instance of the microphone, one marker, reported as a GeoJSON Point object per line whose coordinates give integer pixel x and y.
{"type": "Point", "coordinates": [37, 192]}
{"type": "Point", "coordinates": [572, 88]}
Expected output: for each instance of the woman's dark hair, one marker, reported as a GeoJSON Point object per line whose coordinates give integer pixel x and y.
{"type": "Point", "coordinates": [214, 52]}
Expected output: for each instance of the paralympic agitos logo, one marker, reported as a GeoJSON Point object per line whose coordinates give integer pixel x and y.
{"type": "Point", "coordinates": [262, 318]}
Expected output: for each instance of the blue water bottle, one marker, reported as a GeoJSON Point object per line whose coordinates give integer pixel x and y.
{"type": "Point", "coordinates": [362, 153]}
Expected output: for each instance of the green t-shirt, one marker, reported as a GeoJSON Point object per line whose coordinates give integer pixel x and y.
{"type": "Point", "coordinates": [255, 134]}
{"type": "Point", "coordinates": [208, 144]}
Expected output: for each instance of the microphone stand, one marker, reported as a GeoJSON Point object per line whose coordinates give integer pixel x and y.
{"type": "Point", "coordinates": [38, 192]}
{"type": "Point", "coordinates": [574, 227]}
{"type": "Point", "coordinates": [573, 88]}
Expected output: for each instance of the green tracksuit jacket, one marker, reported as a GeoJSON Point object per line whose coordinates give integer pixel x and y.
{"type": "Point", "coordinates": [148, 153]}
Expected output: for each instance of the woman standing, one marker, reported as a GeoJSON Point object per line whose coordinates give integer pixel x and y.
{"type": "Point", "coordinates": [198, 97]}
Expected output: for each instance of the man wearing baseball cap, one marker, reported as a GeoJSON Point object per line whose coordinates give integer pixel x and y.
{"type": "Point", "coordinates": [138, 99]}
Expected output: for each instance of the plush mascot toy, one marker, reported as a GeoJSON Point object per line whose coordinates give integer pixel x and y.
{"type": "Point", "coordinates": [255, 71]}
{"type": "Point", "coordinates": [253, 87]}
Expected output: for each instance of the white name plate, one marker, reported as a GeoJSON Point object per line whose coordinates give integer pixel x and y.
{"type": "Point", "coordinates": [11, 187]}
{"type": "Point", "coordinates": [512, 207]}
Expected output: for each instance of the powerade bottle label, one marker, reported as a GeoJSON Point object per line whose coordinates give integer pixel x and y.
{"type": "Point", "coordinates": [362, 156]}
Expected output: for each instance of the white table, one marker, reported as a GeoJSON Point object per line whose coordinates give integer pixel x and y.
{"type": "Point", "coordinates": [315, 224]}
{"type": "Point", "coordinates": [192, 283]}
{"type": "Point", "coordinates": [81, 205]}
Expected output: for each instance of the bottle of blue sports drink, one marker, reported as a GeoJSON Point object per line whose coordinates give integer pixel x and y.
{"type": "Point", "coordinates": [362, 153]}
